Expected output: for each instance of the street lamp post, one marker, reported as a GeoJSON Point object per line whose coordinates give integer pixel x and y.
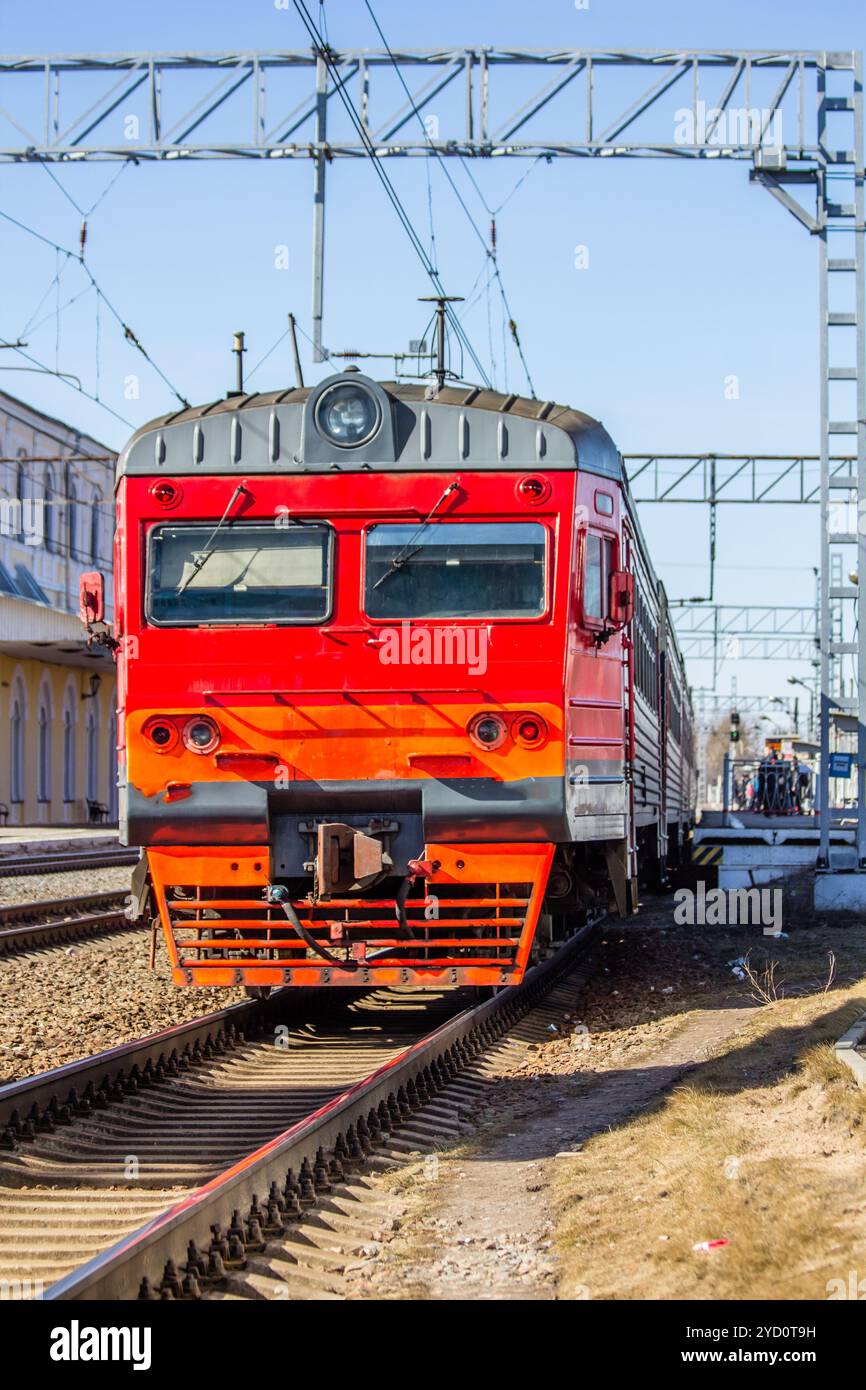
{"type": "Point", "coordinates": [795, 680]}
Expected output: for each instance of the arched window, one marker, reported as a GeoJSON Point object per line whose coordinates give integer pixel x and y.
{"type": "Point", "coordinates": [17, 716]}
{"type": "Point", "coordinates": [50, 529]}
{"type": "Point", "coordinates": [43, 748]}
{"type": "Point", "coordinates": [33, 511]}
{"type": "Point", "coordinates": [22, 477]}
{"type": "Point", "coordinates": [22, 490]}
{"type": "Point", "coordinates": [92, 754]}
{"type": "Point", "coordinates": [95, 526]}
{"type": "Point", "coordinates": [112, 767]}
{"type": "Point", "coordinates": [72, 502]}
{"type": "Point", "coordinates": [68, 748]}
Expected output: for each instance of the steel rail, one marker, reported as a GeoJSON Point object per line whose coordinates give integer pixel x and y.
{"type": "Point", "coordinates": [40, 1101]}
{"type": "Point", "coordinates": [47, 923]}
{"type": "Point", "coordinates": [189, 1235]}
{"type": "Point", "coordinates": [18, 866]}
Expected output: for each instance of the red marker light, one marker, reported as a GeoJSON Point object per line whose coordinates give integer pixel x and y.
{"type": "Point", "coordinates": [533, 489]}
{"type": "Point", "coordinates": [166, 493]}
{"type": "Point", "coordinates": [529, 730]}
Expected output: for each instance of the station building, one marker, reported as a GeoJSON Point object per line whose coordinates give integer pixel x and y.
{"type": "Point", "coordinates": [57, 699]}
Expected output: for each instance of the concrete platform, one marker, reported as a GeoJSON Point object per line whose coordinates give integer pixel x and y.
{"type": "Point", "coordinates": [16, 840]}
{"type": "Point", "coordinates": [840, 892]}
{"type": "Point", "coordinates": [775, 847]}
{"type": "Point", "coordinates": [848, 1050]}
{"type": "Point", "coordinates": [840, 819]}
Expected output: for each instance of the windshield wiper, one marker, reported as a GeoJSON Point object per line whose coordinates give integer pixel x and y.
{"type": "Point", "coordinates": [203, 556]}
{"type": "Point", "coordinates": [410, 549]}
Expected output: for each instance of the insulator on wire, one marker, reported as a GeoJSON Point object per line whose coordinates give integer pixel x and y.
{"type": "Point", "coordinates": [493, 234]}
{"type": "Point", "coordinates": [82, 240]}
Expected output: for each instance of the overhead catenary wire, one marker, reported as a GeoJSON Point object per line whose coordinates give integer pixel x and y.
{"type": "Point", "coordinates": [323, 50]}
{"type": "Point", "coordinates": [273, 347]}
{"type": "Point", "coordinates": [65, 377]}
{"type": "Point", "coordinates": [128, 332]}
{"type": "Point", "coordinates": [493, 213]}
{"type": "Point", "coordinates": [489, 251]}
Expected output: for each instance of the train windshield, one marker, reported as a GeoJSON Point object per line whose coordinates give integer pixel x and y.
{"type": "Point", "coordinates": [456, 569]}
{"type": "Point", "coordinates": [245, 573]}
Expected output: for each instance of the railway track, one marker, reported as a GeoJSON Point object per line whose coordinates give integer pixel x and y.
{"type": "Point", "coordinates": [16, 866]}
{"type": "Point", "coordinates": [193, 1149]}
{"type": "Point", "coordinates": [51, 922]}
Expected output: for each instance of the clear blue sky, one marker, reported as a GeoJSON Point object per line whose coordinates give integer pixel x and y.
{"type": "Point", "coordinates": [694, 274]}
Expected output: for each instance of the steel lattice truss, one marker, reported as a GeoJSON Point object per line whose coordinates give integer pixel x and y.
{"type": "Point", "coordinates": [734, 648]}
{"type": "Point", "coordinates": [709, 631]}
{"type": "Point", "coordinates": [744, 620]}
{"type": "Point", "coordinates": [737, 478]}
{"type": "Point", "coordinates": [480, 102]}
{"type": "Point", "coordinates": [709, 704]}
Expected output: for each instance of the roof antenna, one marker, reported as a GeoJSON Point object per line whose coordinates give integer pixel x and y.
{"type": "Point", "coordinates": [299, 375]}
{"type": "Point", "coordinates": [440, 300]}
{"type": "Point", "coordinates": [238, 349]}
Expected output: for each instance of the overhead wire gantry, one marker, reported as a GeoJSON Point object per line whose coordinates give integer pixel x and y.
{"type": "Point", "coordinates": [794, 117]}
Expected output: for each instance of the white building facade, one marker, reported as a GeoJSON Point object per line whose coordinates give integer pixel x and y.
{"type": "Point", "coordinates": [57, 699]}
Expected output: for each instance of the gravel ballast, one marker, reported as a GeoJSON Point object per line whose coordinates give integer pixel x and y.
{"type": "Point", "coordinates": [67, 1002]}
{"type": "Point", "coordinates": [34, 888]}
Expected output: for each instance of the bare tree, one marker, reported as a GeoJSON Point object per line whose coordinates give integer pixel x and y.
{"type": "Point", "coordinates": [718, 743]}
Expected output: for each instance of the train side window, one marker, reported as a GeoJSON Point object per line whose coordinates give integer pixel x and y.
{"type": "Point", "coordinates": [597, 569]}
{"type": "Point", "coordinates": [592, 577]}
{"type": "Point", "coordinates": [604, 504]}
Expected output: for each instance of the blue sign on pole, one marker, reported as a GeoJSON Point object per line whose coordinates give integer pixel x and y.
{"type": "Point", "coordinates": [840, 764]}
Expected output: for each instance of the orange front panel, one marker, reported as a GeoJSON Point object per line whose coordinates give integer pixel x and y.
{"type": "Point", "coordinates": [359, 737]}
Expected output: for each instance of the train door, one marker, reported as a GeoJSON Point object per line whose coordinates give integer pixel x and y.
{"type": "Point", "coordinates": [664, 716]}
{"type": "Point", "coordinates": [629, 717]}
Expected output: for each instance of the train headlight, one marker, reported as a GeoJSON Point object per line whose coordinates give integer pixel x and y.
{"type": "Point", "coordinates": [488, 730]}
{"type": "Point", "coordinates": [347, 414]}
{"type": "Point", "coordinates": [201, 735]}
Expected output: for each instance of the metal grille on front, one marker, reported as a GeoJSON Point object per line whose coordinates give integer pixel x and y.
{"type": "Point", "coordinates": [476, 924]}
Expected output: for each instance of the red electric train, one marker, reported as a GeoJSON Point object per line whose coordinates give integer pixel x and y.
{"type": "Point", "coordinates": [399, 695]}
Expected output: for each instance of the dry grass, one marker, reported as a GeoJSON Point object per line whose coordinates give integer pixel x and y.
{"type": "Point", "coordinates": [766, 988]}
{"type": "Point", "coordinates": [766, 1147]}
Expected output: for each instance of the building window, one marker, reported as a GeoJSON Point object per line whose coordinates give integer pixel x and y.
{"type": "Point", "coordinates": [49, 522]}
{"type": "Point", "coordinates": [21, 491]}
{"type": "Point", "coordinates": [72, 501]}
{"type": "Point", "coordinates": [68, 752]}
{"type": "Point", "coordinates": [16, 744]}
{"type": "Point", "coordinates": [95, 527]}
{"type": "Point", "coordinates": [43, 771]}
{"type": "Point", "coordinates": [92, 756]}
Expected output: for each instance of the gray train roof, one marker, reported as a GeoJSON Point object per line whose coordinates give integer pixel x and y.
{"type": "Point", "coordinates": [422, 429]}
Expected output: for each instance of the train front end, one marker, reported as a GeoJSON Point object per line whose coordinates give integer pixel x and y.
{"type": "Point", "coordinates": [343, 617]}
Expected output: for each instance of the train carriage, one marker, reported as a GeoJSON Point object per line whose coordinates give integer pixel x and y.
{"type": "Point", "coordinates": [399, 697]}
